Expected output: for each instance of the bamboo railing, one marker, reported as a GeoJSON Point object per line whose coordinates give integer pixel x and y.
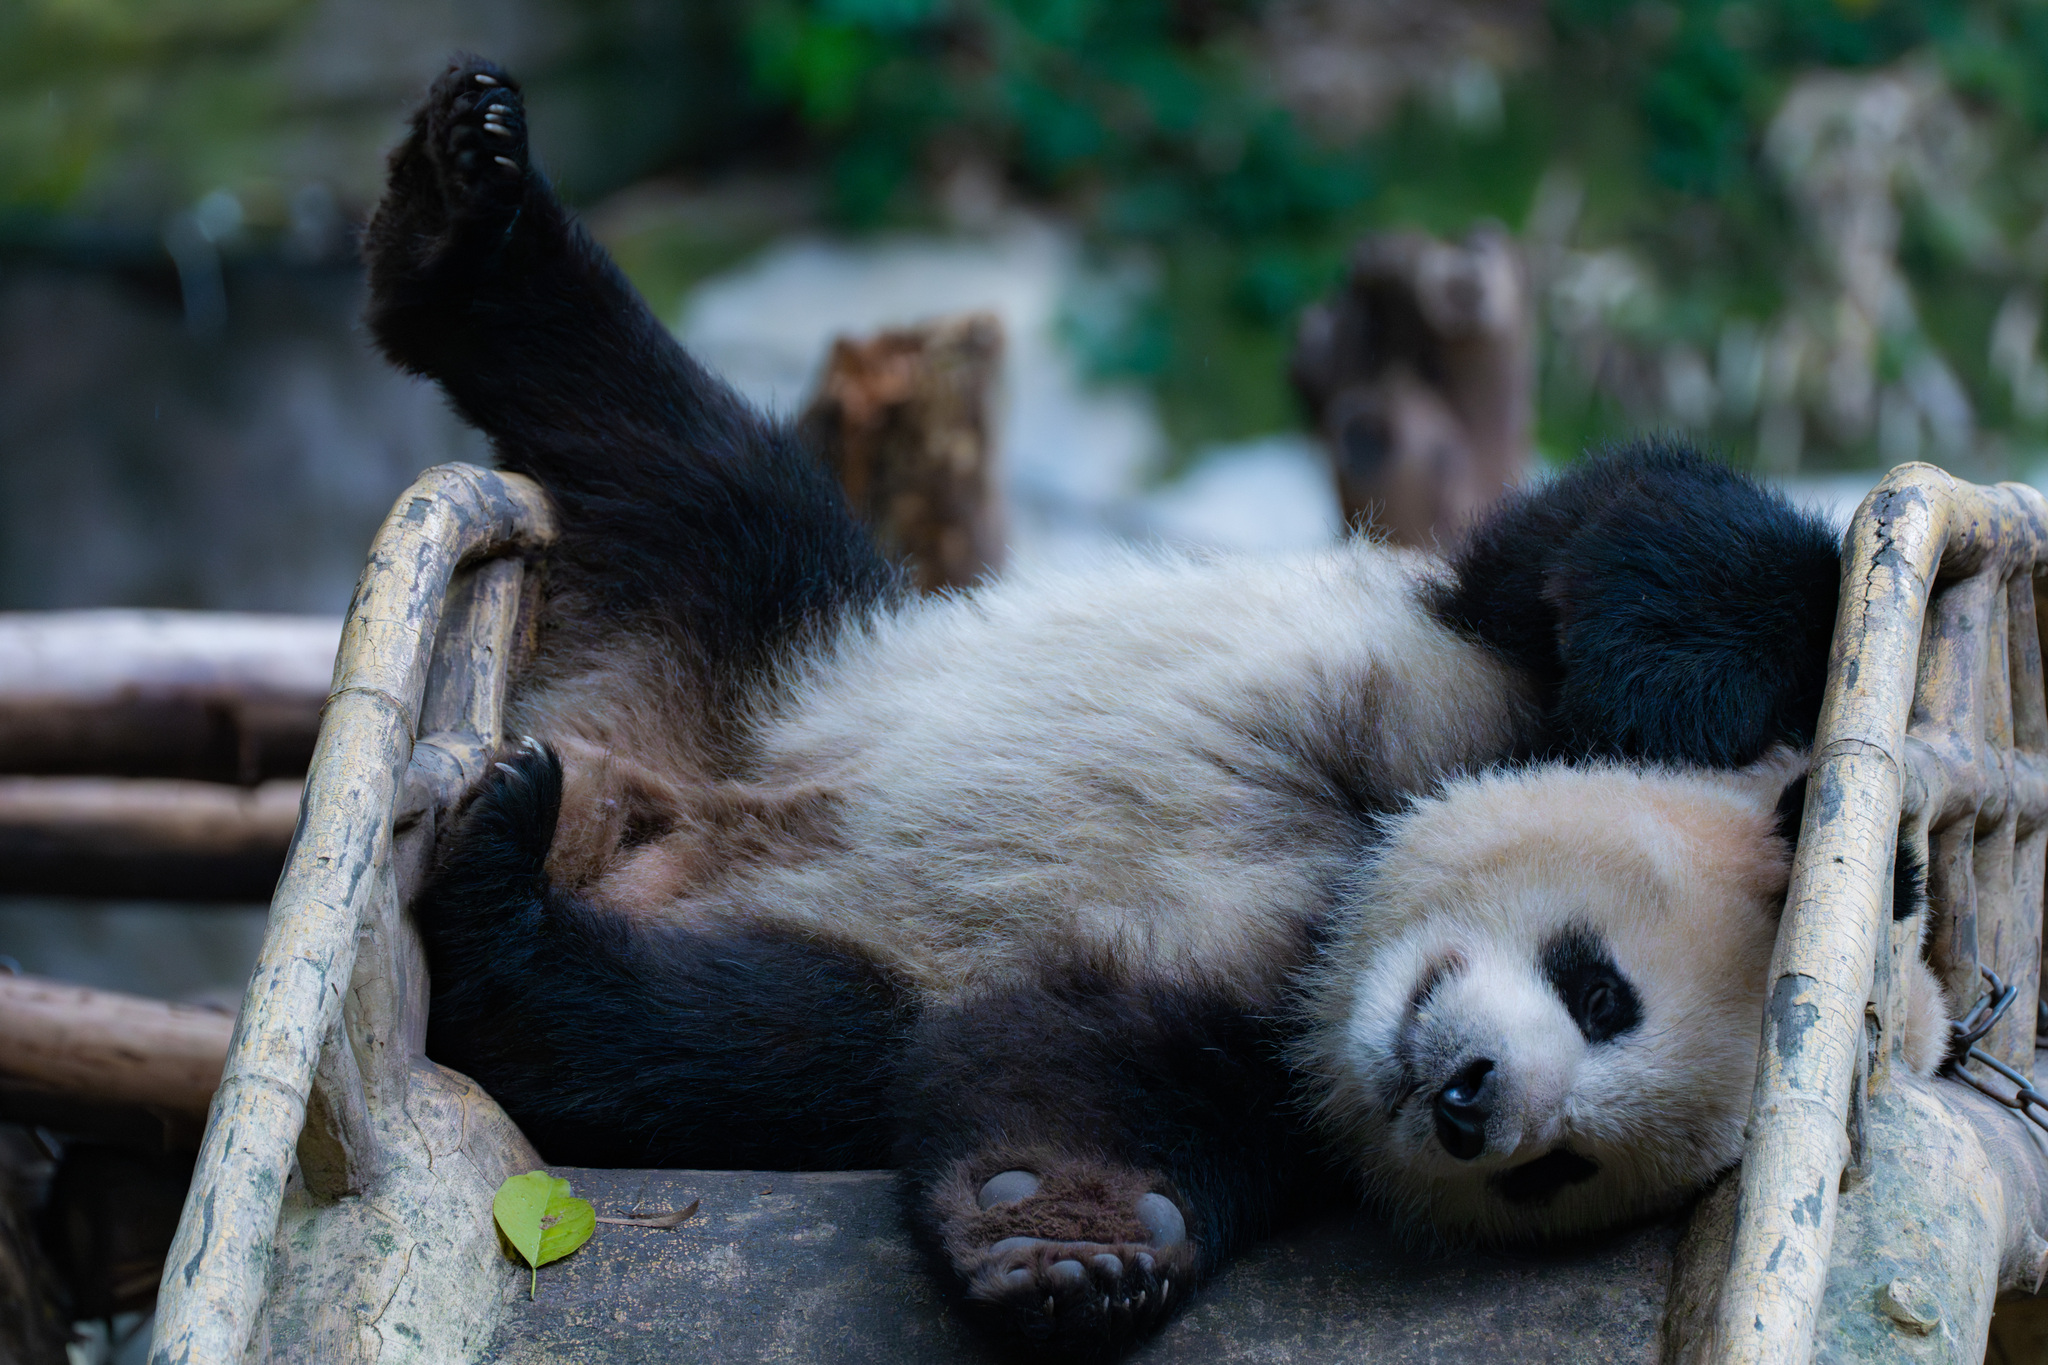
{"type": "Point", "coordinates": [326, 1064]}
{"type": "Point", "coordinates": [1880, 1213]}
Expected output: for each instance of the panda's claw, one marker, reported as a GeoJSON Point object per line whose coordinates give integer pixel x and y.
{"type": "Point", "coordinates": [470, 112]}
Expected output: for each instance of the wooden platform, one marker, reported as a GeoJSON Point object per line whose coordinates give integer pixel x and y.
{"type": "Point", "coordinates": [817, 1268]}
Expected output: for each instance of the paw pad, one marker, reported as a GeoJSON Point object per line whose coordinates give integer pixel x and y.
{"type": "Point", "coordinates": [1090, 1281]}
{"type": "Point", "coordinates": [1008, 1188]}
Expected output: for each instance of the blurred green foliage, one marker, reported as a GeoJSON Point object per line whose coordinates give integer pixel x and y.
{"type": "Point", "coordinates": [1152, 125]}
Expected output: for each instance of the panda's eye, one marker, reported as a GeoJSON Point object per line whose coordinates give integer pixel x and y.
{"type": "Point", "coordinates": [1589, 984]}
{"type": "Point", "coordinates": [1597, 1010]}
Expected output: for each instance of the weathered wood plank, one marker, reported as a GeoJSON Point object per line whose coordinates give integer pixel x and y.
{"type": "Point", "coordinates": [817, 1266]}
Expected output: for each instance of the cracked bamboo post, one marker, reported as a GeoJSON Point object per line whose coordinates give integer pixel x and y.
{"type": "Point", "coordinates": [1943, 727]}
{"type": "Point", "coordinates": [339, 895]}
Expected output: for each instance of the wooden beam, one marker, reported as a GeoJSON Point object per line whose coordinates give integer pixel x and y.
{"type": "Point", "coordinates": [154, 838]}
{"type": "Point", "coordinates": [105, 1047]}
{"type": "Point", "coordinates": [215, 696]}
{"type": "Point", "coordinates": [906, 419]}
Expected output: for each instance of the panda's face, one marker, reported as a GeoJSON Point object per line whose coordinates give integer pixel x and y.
{"type": "Point", "coordinates": [1543, 1015]}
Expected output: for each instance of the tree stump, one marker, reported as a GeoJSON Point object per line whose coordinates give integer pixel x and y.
{"type": "Point", "coordinates": [1419, 376]}
{"type": "Point", "coordinates": [906, 419]}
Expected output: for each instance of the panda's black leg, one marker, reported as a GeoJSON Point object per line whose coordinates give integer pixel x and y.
{"type": "Point", "coordinates": [681, 508]}
{"type": "Point", "coordinates": [612, 1043]}
{"type": "Point", "coordinates": [1083, 1154]}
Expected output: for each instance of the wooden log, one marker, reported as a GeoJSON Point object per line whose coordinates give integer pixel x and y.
{"type": "Point", "coordinates": [1419, 377]}
{"type": "Point", "coordinates": [906, 419]}
{"type": "Point", "coordinates": [106, 1047]}
{"type": "Point", "coordinates": [154, 838]}
{"type": "Point", "coordinates": [213, 696]}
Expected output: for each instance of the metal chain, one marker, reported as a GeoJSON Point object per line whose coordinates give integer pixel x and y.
{"type": "Point", "coordinates": [1965, 1032]}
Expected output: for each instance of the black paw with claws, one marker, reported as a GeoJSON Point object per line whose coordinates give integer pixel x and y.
{"type": "Point", "coordinates": [460, 183]}
{"type": "Point", "coordinates": [1097, 1268]}
{"type": "Point", "coordinates": [510, 820]}
{"type": "Point", "coordinates": [475, 133]}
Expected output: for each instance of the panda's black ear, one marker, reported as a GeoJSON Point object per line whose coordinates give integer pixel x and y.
{"type": "Point", "coordinates": [1791, 808]}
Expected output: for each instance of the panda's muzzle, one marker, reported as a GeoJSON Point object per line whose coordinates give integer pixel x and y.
{"type": "Point", "coordinates": [1462, 1108]}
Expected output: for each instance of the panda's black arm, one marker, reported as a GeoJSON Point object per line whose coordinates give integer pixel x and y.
{"type": "Point", "coordinates": [678, 500]}
{"type": "Point", "coordinates": [1668, 608]}
{"type": "Point", "coordinates": [615, 1044]}
{"type": "Point", "coordinates": [1088, 1090]}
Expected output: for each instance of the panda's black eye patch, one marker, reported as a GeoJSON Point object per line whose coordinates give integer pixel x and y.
{"type": "Point", "coordinates": [1582, 972]}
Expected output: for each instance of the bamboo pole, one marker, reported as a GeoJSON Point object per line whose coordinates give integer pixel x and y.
{"type": "Point", "coordinates": [215, 1276]}
{"type": "Point", "coordinates": [212, 696]}
{"type": "Point", "coordinates": [1917, 522]}
{"type": "Point", "coordinates": [109, 1048]}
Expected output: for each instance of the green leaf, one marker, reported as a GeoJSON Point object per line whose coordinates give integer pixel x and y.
{"type": "Point", "coordinates": [519, 1206]}
{"type": "Point", "coordinates": [567, 1225]}
{"type": "Point", "coordinates": [541, 1219]}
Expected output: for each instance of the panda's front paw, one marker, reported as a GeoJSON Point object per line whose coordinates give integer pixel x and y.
{"type": "Point", "coordinates": [504, 833]}
{"type": "Point", "coordinates": [476, 136]}
{"type": "Point", "coordinates": [1092, 1261]}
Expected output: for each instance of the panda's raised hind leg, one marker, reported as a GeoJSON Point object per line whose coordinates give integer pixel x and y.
{"type": "Point", "coordinates": [1085, 1152]}
{"type": "Point", "coordinates": [688, 520]}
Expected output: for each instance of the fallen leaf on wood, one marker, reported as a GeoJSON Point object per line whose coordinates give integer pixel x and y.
{"type": "Point", "coordinates": [673, 1218]}
{"type": "Point", "coordinates": [541, 1219]}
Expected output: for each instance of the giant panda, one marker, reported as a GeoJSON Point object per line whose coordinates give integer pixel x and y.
{"type": "Point", "coordinates": [1125, 906]}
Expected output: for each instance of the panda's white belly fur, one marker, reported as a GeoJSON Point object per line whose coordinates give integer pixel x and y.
{"type": "Point", "coordinates": [1163, 756]}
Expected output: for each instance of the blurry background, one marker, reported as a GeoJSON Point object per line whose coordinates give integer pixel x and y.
{"type": "Point", "coordinates": [1811, 232]}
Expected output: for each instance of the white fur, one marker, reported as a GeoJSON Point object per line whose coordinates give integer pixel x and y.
{"type": "Point", "coordinates": [1133, 756]}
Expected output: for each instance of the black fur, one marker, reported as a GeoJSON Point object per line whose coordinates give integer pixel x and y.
{"type": "Point", "coordinates": [622, 1045]}
{"type": "Point", "coordinates": [1106, 1064]}
{"type": "Point", "coordinates": [1667, 608]}
{"type": "Point", "coordinates": [1601, 1001]}
{"type": "Point", "coordinates": [1538, 1182]}
{"type": "Point", "coordinates": [679, 504]}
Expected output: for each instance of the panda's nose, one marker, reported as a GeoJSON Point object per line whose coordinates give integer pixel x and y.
{"type": "Point", "coordinates": [1462, 1107]}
